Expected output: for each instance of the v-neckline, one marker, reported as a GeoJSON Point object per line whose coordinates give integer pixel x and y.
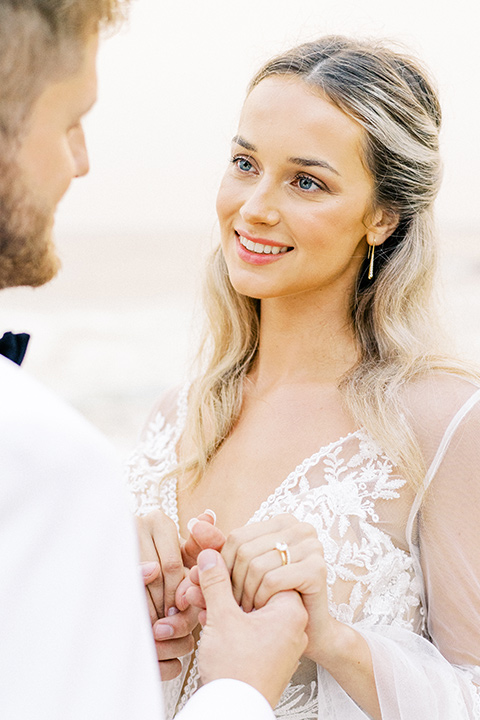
{"type": "Point", "coordinates": [292, 477]}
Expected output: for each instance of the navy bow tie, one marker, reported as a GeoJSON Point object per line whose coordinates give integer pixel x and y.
{"type": "Point", "coordinates": [14, 346]}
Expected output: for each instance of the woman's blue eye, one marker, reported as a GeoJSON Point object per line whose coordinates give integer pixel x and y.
{"type": "Point", "coordinates": [243, 164]}
{"type": "Point", "coordinates": [306, 183]}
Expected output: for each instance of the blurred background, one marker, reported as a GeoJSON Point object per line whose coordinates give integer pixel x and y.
{"type": "Point", "coordinates": [114, 328]}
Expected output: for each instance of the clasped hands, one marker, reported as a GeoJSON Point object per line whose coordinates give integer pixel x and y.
{"type": "Point", "coordinates": [260, 574]}
{"type": "Point", "coordinates": [166, 562]}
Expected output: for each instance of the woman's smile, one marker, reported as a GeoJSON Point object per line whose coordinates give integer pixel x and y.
{"type": "Point", "coordinates": [296, 191]}
{"type": "Point", "coordinates": [259, 251]}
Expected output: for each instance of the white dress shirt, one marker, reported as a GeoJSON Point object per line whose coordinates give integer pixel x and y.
{"type": "Point", "coordinates": [75, 639]}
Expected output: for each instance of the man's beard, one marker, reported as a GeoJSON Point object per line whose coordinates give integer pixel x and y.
{"type": "Point", "coordinates": [27, 252]}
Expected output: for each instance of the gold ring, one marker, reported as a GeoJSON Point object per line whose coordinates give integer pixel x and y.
{"type": "Point", "coordinates": [282, 548]}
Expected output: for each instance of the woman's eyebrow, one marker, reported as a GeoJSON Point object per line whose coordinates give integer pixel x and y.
{"type": "Point", "coordinates": [303, 162]}
{"type": "Point", "coordinates": [240, 141]}
{"type": "Point", "coordinates": [309, 162]}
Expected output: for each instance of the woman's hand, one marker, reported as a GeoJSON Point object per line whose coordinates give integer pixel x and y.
{"type": "Point", "coordinates": [163, 556]}
{"type": "Point", "coordinates": [159, 543]}
{"type": "Point", "coordinates": [259, 570]}
{"type": "Point", "coordinates": [260, 575]}
{"type": "Point", "coordinates": [203, 535]}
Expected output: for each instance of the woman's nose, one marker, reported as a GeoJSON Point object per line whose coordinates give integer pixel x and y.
{"type": "Point", "coordinates": [261, 206]}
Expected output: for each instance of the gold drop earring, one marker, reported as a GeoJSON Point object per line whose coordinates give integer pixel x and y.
{"type": "Point", "coordinates": [371, 257]}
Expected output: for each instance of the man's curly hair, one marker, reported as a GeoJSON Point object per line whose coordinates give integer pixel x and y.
{"type": "Point", "coordinates": [41, 41]}
{"type": "Point", "coordinates": [76, 17]}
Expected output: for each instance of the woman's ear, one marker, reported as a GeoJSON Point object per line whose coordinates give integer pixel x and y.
{"type": "Point", "coordinates": [382, 226]}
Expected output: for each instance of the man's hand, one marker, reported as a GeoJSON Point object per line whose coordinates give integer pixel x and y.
{"type": "Point", "coordinates": [173, 635]}
{"type": "Point", "coordinates": [261, 648]}
{"type": "Point", "coordinates": [174, 639]}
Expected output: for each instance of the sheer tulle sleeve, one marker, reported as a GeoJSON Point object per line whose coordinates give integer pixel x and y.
{"type": "Point", "coordinates": [155, 453]}
{"type": "Point", "coordinates": [438, 678]}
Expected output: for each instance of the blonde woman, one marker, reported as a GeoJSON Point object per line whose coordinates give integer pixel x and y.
{"type": "Point", "coordinates": [335, 442]}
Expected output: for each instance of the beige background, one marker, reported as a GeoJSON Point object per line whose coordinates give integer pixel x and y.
{"type": "Point", "coordinates": [113, 329]}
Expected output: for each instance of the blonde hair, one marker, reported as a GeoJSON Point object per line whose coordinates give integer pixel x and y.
{"type": "Point", "coordinates": [393, 317]}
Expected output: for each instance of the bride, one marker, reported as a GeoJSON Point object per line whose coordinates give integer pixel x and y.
{"type": "Point", "coordinates": [336, 443]}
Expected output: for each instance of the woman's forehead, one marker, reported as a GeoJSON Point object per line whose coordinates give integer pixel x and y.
{"type": "Point", "coordinates": [283, 111]}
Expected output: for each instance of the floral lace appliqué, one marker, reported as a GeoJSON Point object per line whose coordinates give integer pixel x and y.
{"type": "Point", "coordinates": [370, 580]}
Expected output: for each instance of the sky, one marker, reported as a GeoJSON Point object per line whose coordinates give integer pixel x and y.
{"type": "Point", "coordinates": [173, 80]}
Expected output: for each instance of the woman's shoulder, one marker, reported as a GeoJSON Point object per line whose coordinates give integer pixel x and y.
{"type": "Point", "coordinates": [437, 402]}
{"type": "Point", "coordinates": [442, 384]}
{"type": "Point", "coordinates": [439, 394]}
{"type": "Point", "coordinates": [170, 408]}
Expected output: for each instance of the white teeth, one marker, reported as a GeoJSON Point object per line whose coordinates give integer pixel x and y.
{"type": "Point", "coordinates": [262, 249]}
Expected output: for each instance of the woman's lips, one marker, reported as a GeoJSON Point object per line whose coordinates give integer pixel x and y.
{"type": "Point", "coordinates": [259, 253]}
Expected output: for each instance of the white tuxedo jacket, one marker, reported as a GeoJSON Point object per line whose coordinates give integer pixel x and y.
{"type": "Point", "coordinates": [75, 639]}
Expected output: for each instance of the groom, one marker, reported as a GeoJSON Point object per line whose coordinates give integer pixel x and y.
{"type": "Point", "coordinates": [75, 640]}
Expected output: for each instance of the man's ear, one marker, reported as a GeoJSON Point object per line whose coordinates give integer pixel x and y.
{"type": "Point", "coordinates": [383, 224]}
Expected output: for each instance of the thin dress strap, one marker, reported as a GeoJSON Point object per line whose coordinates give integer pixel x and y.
{"type": "Point", "coordinates": [439, 455]}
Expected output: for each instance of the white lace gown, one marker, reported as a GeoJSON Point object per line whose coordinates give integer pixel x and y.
{"type": "Point", "coordinates": [403, 567]}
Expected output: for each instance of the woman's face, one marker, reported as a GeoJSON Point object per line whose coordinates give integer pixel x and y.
{"type": "Point", "coordinates": [294, 202]}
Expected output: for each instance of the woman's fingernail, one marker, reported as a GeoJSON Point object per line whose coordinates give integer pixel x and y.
{"type": "Point", "coordinates": [207, 560]}
{"type": "Point", "coordinates": [162, 632]}
{"type": "Point", "coordinates": [148, 568]}
{"type": "Point", "coordinates": [191, 523]}
{"type": "Point", "coordinates": [212, 515]}
{"type": "Point", "coordinates": [172, 611]}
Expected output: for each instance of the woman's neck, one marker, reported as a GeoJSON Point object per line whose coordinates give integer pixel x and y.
{"type": "Point", "coordinates": [302, 342]}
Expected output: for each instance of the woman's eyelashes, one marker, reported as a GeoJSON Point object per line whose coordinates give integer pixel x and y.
{"type": "Point", "coordinates": [242, 163]}
{"type": "Point", "coordinates": [307, 184]}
